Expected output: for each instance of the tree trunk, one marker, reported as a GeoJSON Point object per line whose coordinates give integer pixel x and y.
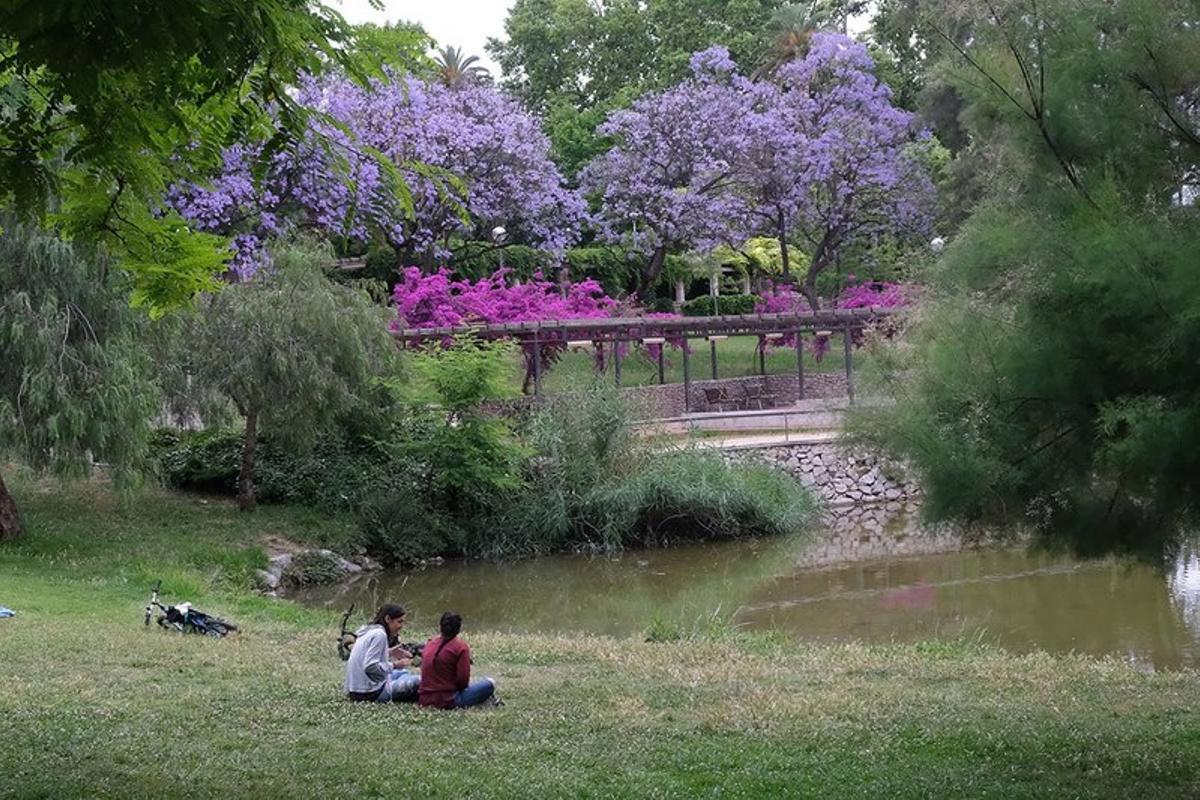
{"type": "Point", "coordinates": [820, 261]}
{"type": "Point", "coordinates": [10, 520]}
{"type": "Point", "coordinates": [810, 290]}
{"type": "Point", "coordinates": [246, 474]}
{"type": "Point", "coordinates": [783, 250]}
{"type": "Point", "coordinates": [653, 270]}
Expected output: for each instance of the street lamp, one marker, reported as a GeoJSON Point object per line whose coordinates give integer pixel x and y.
{"type": "Point", "coordinates": [498, 236]}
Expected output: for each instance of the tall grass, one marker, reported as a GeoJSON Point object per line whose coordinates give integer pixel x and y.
{"type": "Point", "coordinates": [594, 484]}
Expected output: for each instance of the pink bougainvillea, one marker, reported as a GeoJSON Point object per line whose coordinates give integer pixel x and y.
{"type": "Point", "coordinates": [436, 300]}
{"type": "Point", "coordinates": [863, 294]}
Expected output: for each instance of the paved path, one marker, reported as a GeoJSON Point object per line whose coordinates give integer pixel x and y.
{"type": "Point", "coordinates": [807, 422]}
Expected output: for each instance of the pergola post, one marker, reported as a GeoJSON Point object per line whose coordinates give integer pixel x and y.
{"type": "Point", "coordinates": [847, 346]}
{"type": "Point", "coordinates": [687, 380]}
{"type": "Point", "coordinates": [537, 366]}
{"type": "Point", "coordinates": [661, 343]}
{"type": "Point", "coordinates": [799, 364]}
{"type": "Point", "coordinates": [616, 345]}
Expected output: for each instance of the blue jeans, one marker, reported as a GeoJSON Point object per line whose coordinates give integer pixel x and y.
{"type": "Point", "coordinates": [401, 687]}
{"type": "Point", "coordinates": [478, 692]}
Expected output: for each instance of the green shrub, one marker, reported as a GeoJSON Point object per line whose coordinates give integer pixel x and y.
{"type": "Point", "coordinates": [400, 528]}
{"type": "Point", "coordinates": [335, 475]}
{"type": "Point", "coordinates": [593, 485]}
{"type": "Point", "coordinates": [480, 259]}
{"type": "Point", "coordinates": [610, 266]}
{"type": "Point", "coordinates": [201, 461]}
{"type": "Point", "coordinates": [726, 304]}
{"type": "Point", "coordinates": [694, 496]}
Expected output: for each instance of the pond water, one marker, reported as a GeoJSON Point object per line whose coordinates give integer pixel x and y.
{"type": "Point", "coordinates": [807, 589]}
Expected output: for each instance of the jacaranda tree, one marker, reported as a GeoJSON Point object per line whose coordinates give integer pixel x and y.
{"type": "Point", "coordinates": [470, 157]}
{"type": "Point", "coordinates": [816, 155]}
{"type": "Point", "coordinates": [668, 181]}
{"type": "Point", "coordinates": [847, 149]}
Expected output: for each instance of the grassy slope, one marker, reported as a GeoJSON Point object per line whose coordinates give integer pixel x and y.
{"type": "Point", "coordinates": [93, 704]}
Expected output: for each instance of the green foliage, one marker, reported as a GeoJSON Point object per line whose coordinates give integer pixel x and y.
{"type": "Point", "coordinates": [400, 46]}
{"type": "Point", "coordinates": [1051, 380]}
{"type": "Point", "coordinates": [595, 485]}
{"type": "Point", "coordinates": [471, 456]}
{"type": "Point", "coordinates": [340, 472]}
{"type": "Point", "coordinates": [106, 104]}
{"type": "Point", "coordinates": [75, 380]}
{"type": "Point", "coordinates": [401, 528]}
{"type": "Point", "coordinates": [290, 350]}
{"type": "Point", "coordinates": [572, 131]}
{"type": "Point", "coordinates": [477, 260]}
{"type": "Point", "coordinates": [713, 627]}
{"type": "Point", "coordinates": [709, 306]}
{"type": "Point", "coordinates": [290, 346]}
{"type": "Point", "coordinates": [610, 266]}
{"type": "Point", "coordinates": [693, 496]}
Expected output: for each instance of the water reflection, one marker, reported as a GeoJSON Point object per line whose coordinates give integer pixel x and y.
{"type": "Point", "coordinates": [1020, 600]}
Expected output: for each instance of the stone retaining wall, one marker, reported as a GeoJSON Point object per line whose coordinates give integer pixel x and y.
{"type": "Point", "coordinates": [871, 508]}
{"type": "Point", "coordinates": [842, 475]}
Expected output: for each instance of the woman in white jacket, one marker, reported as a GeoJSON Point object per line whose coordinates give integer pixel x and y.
{"type": "Point", "coordinates": [376, 671]}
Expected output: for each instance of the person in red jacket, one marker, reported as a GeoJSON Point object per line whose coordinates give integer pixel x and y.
{"type": "Point", "coordinates": [446, 670]}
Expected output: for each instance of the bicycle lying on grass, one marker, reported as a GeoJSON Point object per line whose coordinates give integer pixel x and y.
{"type": "Point", "coordinates": [185, 619]}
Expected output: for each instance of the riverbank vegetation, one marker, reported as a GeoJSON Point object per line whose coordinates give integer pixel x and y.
{"type": "Point", "coordinates": [1050, 377]}
{"type": "Point", "coordinates": [440, 473]}
{"type": "Point", "coordinates": [136, 712]}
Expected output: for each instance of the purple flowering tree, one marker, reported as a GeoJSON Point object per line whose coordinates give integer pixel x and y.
{"type": "Point", "coordinates": [667, 183]}
{"type": "Point", "coordinates": [470, 156]}
{"type": "Point", "coordinates": [817, 155]}
{"type": "Point", "coordinates": [847, 152]}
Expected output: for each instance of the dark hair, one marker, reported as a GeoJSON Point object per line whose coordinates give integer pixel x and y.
{"type": "Point", "coordinates": [450, 625]}
{"type": "Point", "coordinates": [388, 611]}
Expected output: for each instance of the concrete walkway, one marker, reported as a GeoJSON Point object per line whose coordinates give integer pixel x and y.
{"type": "Point", "coordinates": [807, 422]}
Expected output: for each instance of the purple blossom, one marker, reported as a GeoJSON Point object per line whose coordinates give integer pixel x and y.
{"type": "Point", "coordinates": [471, 156]}
{"type": "Point", "coordinates": [819, 157]}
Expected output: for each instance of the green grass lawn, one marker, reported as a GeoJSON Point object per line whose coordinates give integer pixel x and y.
{"type": "Point", "coordinates": [737, 356]}
{"type": "Point", "coordinates": [93, 704]}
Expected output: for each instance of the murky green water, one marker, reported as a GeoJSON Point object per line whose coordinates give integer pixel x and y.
{"type": "Point", "coordinates": [1016, 599]}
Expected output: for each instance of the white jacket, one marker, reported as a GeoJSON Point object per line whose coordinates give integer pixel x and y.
{"type": "Point", "coordinates": [369, 665]}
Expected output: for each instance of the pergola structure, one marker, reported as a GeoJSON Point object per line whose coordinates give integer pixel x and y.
{"type": "Point", "coordinates": [614, 331]}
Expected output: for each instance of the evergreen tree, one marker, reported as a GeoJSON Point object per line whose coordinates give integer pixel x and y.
{"type": "Point", "coordinates": [1051, 379]}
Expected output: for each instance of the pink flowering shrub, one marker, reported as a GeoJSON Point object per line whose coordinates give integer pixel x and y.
{"type": "Point", "coordinates": [438, 300]}
{"type": "Point", "coordinates": [864, 294]}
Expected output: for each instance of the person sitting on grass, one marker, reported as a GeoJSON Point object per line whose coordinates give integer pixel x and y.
{"type": "Point", "coordinates": [446, 670]}
{"type": "Point", "coordinates": [377, 668]}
